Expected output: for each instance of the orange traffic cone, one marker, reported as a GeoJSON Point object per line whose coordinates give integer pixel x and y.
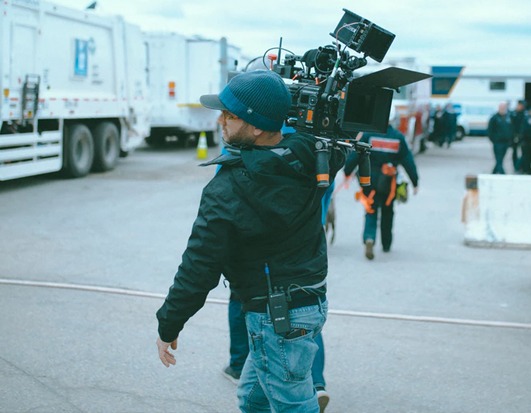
{"type": "Point", "coordinates": [202, 147]}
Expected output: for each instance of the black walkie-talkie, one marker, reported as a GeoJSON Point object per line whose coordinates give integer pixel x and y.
{"type": "Point", "coordinates": [278, 307]}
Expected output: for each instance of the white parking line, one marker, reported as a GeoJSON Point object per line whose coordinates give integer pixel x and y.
{"type": "Point", "coordinates": [145, 294]}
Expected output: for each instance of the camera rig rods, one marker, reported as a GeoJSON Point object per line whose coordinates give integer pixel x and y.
{"type": "Point", "coordinates": [322, 169]}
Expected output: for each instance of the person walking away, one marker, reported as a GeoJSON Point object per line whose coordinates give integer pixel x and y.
{"type": "Point", "coordinates": [517, 118]}
{"type": "Point", "coordinates": [525, 134]}
{"type": "Point", "coordinates": [500, 132]}
{"type": "Point", "coordinates": [388, 151]}
{"type": "Point", "coordinates": [449, 124]}
{"type": "Point", "coordinates": [437, 132]}
{"type": "Point", "coordinates": [259, 224]}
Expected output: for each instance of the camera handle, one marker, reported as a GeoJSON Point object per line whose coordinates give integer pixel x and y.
{"type": "Point", "coordinates": [364, 168]}
{"type": "Point", "coordinates": [322, 169]}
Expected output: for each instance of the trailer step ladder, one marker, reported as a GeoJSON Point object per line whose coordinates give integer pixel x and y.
{"type": "Point", "coordinates": [30, 97]}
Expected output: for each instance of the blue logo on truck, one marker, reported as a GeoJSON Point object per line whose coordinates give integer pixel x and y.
{"type": "Point", "coordinates": [81, 58]}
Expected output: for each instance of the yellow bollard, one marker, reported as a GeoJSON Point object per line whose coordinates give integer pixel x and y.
{"type": "Point", "coordinates": [202, 147]}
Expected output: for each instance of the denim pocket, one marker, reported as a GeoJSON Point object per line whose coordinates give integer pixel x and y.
{"type": "Point", "coordinates": [297, 354]}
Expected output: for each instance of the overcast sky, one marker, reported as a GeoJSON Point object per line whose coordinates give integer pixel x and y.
{"type": "Point", "coordinates": [483, 34]}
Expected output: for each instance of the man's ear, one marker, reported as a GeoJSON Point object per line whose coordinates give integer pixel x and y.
{"type": "Point", "coordinates": [257, 132]}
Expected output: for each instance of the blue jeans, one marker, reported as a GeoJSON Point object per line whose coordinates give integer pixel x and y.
{"type": "Point", "coordinates": [239, 343]}
{"type": "Point", "coordinates": [318, 364]}
{"type": "Point", "coordinates": [277, 373]}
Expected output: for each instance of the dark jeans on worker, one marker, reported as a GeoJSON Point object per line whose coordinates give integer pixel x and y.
{"type": "Point", "coordinates": [500, 149]}
{"type": "Point", "coordinates": [386, 222]}
{"type": "Point", "coordinates": [525, 161]}
{"type": "Point", "coordinates": [516, 155]}
{"type": "Point", "coordinates": [239, 344]}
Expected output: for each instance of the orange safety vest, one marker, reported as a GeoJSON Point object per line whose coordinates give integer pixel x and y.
{"type": "Point", "coordinates": [368, 200]}
{"type": "Point", "coordinates": [390, 170]}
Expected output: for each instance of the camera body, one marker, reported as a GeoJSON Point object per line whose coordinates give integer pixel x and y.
{"type": "Point", "coordinates": [340, 114]}
{"type": "Point", "coordinates": [328, 98]}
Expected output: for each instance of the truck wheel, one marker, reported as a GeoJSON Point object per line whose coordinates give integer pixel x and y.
{"type": "Point", "coordinates": [460, 133]}
{"type": "Point", "coordinates": [79, 151]}
{"type": "Point", "coordinates": [106, 146]}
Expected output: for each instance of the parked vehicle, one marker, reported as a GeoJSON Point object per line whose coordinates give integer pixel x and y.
{"type": "Point", "coordinates": [473, 118]}
{"type": "Point", "coordinates": [73, 90]}
{"type": "Point", "coordinates": [412, 105]}
{"type": "Point", "coordinates": [182, 69]}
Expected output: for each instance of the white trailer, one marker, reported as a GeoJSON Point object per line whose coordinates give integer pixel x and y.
{"type": "Point", "coordinates": [182, 69]}
{"type": "Point", "coordinates": [477, 92]}
{"type": "Point", "coordinates": [468, 84]}
{"type": "Point", "coordinates": [74, 89]}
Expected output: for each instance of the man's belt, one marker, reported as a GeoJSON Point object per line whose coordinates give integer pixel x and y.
{"type": "Point", "coordinates": [297, 301]}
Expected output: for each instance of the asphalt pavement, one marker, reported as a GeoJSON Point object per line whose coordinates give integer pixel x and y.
{"type": "Point", "coordinates": [433, 326]}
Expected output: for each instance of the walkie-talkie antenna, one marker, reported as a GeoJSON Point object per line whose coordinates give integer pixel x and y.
{"type": "Point", "coordinates": [279, 50]}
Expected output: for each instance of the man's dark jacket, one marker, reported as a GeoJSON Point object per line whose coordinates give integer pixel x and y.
{"type": "Point", "coordinates": [390, 147]}
{"type": "Point", "coordinates": [500, 129]}
{"type": "Point", "coordinates": [263, 206]}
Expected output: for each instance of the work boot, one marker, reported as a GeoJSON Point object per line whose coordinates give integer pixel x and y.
{"type": "Point", "coordinates": [369, 249]}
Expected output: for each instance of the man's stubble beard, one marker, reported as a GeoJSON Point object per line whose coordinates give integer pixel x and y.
{"type": "Point", "coordinates": [241, 137]}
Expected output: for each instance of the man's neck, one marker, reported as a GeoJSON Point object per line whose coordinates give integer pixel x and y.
{"type": "Point", "coordinates": [268, 139]}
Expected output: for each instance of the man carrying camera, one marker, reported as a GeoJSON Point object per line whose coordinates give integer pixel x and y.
{"type": "Point", "coordinates": [259, 224]}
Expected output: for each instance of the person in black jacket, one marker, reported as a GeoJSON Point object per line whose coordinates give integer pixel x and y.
{"type": "Point", "coordinates": [259, 224]}
{"type": "Point", "coordinates": [449, 124]}
{"type": "Point", "coordinates": [518, 117]}
{"type": "Point", "coordinates": [388, 151]}
{"type": "Point", "coordinates": [500, 132]}
{"type": "Point", "coordinates": [525, 134]}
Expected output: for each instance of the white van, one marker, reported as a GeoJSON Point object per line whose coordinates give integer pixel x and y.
{"type": "Point", "coordinates": [473, 118]}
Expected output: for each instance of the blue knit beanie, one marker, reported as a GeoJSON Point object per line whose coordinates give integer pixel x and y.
{"type": "Point", "coordinates": [260, 98]}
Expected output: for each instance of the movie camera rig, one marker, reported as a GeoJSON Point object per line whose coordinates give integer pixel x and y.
{"type": "Point", "coordinates": [330, 101]}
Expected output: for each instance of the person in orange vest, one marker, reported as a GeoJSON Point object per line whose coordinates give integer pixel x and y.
{"type": "Point", "coordinates": [388, 151]}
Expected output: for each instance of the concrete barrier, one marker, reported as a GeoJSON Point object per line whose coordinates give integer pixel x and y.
{"type": "Point", "coordinates": [497, 211]}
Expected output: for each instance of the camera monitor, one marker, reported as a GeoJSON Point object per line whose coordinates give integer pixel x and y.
{"type": "Point", "coordinates": [363, 36]}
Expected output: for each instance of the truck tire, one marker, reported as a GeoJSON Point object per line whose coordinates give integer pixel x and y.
{"type": "Point", "coordinates": [79, 151]}
{"type": "Point", "coordinates": [106, 147]}
{"type": "Point", "coordinates": [460, 133]}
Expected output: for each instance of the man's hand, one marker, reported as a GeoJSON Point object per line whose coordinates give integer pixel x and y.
{"type": "Point", "coordinates": [165, 355]}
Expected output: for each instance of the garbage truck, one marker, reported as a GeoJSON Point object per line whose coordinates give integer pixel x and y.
{"type": "Point", "coordinates": [181, 69]}
{"type": "Point", "coordinates": [74, 89]}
